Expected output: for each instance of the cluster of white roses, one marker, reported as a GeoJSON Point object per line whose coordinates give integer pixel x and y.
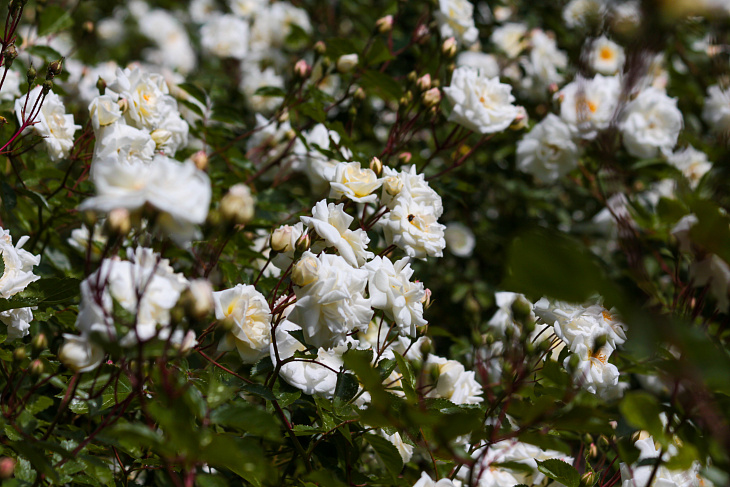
{"type": "Point", "coordinates": [145, 287]}
{"type": "Point", "coordinates": [590, 332]}
{"type": "Point", "coordinates": [138, 130]}
{"type": "Point", "coordinates": [17, 274]}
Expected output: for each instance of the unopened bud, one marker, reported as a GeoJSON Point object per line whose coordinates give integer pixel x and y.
{"type": "Point", "coordinates": [101, 86]}
{"type": "Point", "coordinates": [31, 75]}
{"type": "Point", "coordinates": [393, 185]}
{"type": "Point", "coordinates": [603, 441]}
{"type": "Point", "coordinates": [593, 451]}
{"type": "Point", "coordinates": [412, 77]}
{"type": "Point", "coordinates": [36, 368]}
{"type": "Point", "coordinates": [347, 62]}
{"type": "Point", "coordinates": [424, 82]}
{"type": "Point", "coordinates": [237, 206]}
{"type": "Point", "coordinates": [376, 166]}
{"type": "Point", "coordinates": [521, 309]}
{"type": "Point", "coordinates": [281, 239]}
{"type": "Point", "coordinates": [118, 222]}
{"type": "Point", "coordinates": [426, 347]}
{"type": "Point", "coordinates": [588, 479]}
{"type": "Point", "coordinates": [303, 242]}
{"type": "Point", "coordinates": [520, 121]}
{"type": "Point", "coordinates": [55, 68]}
{"type": "Point", "coordinates": [200, 159]}
{"type": "Point", "coordinates": [405, 157]}
{"type": "Point", "coordinates": [384, 24]}
{"type": "Point", "coordinates": [47, 86]}
{"type": "Point", "coordinates": [290, 134]}
{"type": "Point", "coordinates": [320, 47]}
{"type": "Point", "coordinates": [359, 94]}
{"type": "Point", "coordinates": [421, 34]}
{"type": "Point", "coordinates": [449, 47]}
{"type": "Point", "coordinates": [160, 137]}
{"type": "Point", "coordinates": [10, 54]}
{"type": "Point", "coordinates": [305, 271]}
{"type": "Point", "coordinates": [19, 354]}
{"type": "Point", "coordinates": [431, 97]}
{"type": "Point", "coordinates": [426, 299]}
{"type": "Point", "coordinates": [283, 116]}
{"type": "Point", "coordinates": [7, 467]}
{"type": "Point", "coordinates": [88, 27]}
{"type": "Point", "coordinates": [302, 69]}
{"type": "Point", "coordinates": [39, 343]}
{"type": "Point", "coordinates": [198, 299]}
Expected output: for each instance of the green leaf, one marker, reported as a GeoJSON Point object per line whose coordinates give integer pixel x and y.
{"type": "Point", "coordinates": [7, 193]}
{"type": "Point", "coordinates": [195, 91]}
{"type": "Point", "coordinates": [249, 418]}
{"type": "Point", "coordinates": [37, 458]}
{"type": "Point", "coordinates": [546, 263]}
{"type": "Point", "coordinates": [387, 452]}
{"type": "Point", "coordinates": [382, 84]}
{"type": "Point", "coordinates": [641, 411]}
{"type": "Point", "coordinates": [270, 91]}
{"type": "Point", "coordinates": [54, 18]}
{"type": "Point", "coordinates": [346, 388]}
{"type": "Point", "coordinates": [44, 292]}
{"type": "Point", "coordinates": [560, 471]}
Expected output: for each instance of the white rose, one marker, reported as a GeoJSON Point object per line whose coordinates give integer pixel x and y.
{"type": "Point", "coordinates": [251, 332]}
{"type": "Point", "coordinates": [317, 376]}
{"type": "Point", "coordinates": [145, 97]}
{"type": "Point", "coordinates": [104, 110]}
{"type": "Point", "coordinates": [543, 64]}
{"type": "Point", "coordinates": [717, 109]}
{"type": "Point", "coordinates": [414, 228]}
{"type": "Point", "coordinates": [52, 123]}
{"type": "Point", "coordinates": [510, 38]}
{"type": "Point", "coordinates": [454, 382]}
{"type": "Point", "coordinates": [588, 105]}
{"type": "Point", "coordinates": [122, 144]}
{"type": "Point", "coordinates": [320, 169]}
{"type": "Point", "coordinates": [548, 151]}
{"type": "Point", "coordinates": [650, 124]}
{"type": "Point", "coordinates": [426, 481]}
{"type": "Point", "coordinates": [174, 49]}
{"type": "Point", "coordinates": [456, 19]}
{"type": "Point", "coordinates": [331, 305]}
{"type": "Point", "coordinates": [578, 13]}
{"type": "Point", "coordinates": [408, 184]}
{"type": "Point", "coordinates": [18, 272]}
{"type": "Point", "coordinates": [486, 63]}
{"type": "Point", "coordinates": [225, 36]}
{"type": "Point", "coordinates": [79, 354]}
{"type": "Point", "coordinates": [605, 56]}
{"type": "Point", "coordinates": [405, 449]}
{"type": "Point", "coordinates": [347, 62]}
{"type": "Point", "coordinates": [331, 223]}
{"type": "Point", "coordinates": [459, 239]}
{"type": "Point", "coordinates": [481, 104]}
{"type": "Point", "coordinates": [354, 182]}
{"type": "Point", "coordinates": [17, 321]}
{"type": "Point", "coordinates": [179, 191]}
{"type": "Point", "coordinates": [391, 290]}
{"type": "Point", "coordinates": [692, 163]}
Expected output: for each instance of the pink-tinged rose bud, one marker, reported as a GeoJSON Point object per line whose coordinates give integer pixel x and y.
{"type": "Point", "coordinates": [304, 242]}
{"type": "Point", "coordinates": [305, 271]}
{"type": "Point", "coordinates": [421, 34]}
{"type": "Point", "coordinates": [449, 47]}
{"type": "Point", "coordinates": [520, 120]}
{"type": "Point", "coordinates": [200, 159]}
{"type": "Point", "coordinates": [7, 467]}
{"type": "Point", "coordinates": [405, 157]}
{"type": "Point", "coordinates": [384, 24]}
{"type": "Point", "coordinates": [301, 68]}
{"type": "Point", "coordinates": [426, 299]}
{"type": "Point", "coordinates": [431, 97]}
{"type": "Point", "coordinates": [424, 82]}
